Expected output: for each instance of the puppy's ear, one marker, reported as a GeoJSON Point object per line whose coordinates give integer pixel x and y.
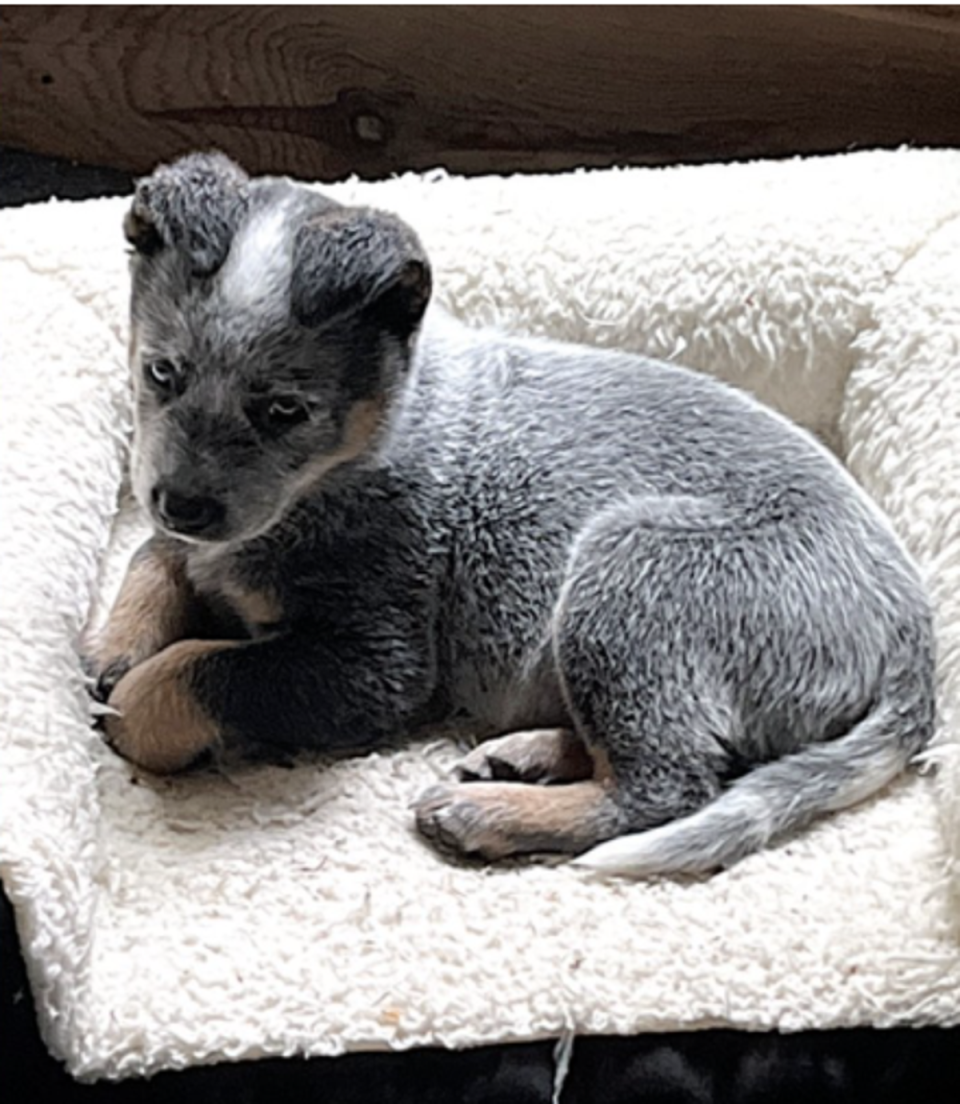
{"type": "Point", "coordinates": [194, 206]}
{"type": "Point", "coordinates": [354, 259]}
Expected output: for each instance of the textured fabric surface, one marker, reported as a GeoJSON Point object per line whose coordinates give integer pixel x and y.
{"type": "Point", "coordinates": [272, 912]}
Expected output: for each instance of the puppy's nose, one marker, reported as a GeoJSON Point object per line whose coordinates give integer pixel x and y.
{"type": "Point", "coordinates": [191, 515]}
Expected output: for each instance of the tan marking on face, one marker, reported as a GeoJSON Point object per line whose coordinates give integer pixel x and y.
{"type": "Point", "coordinates": [152, 610]}
{"type": "Point", "coordinates": [360, 427]}
{"type": "Point", "coordinates": [495, 819]}
{"type": "Point", "coordinates": [361, 424]}
{"type": "Point", "coordinates": [161, 726]}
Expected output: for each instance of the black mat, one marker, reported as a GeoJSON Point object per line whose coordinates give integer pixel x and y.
{"type": "Point", "coordinates": [26, 178]}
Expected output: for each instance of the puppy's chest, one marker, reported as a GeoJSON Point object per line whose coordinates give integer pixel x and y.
{"type": "Point", "coordinates": [304, 584]}
{"type": "Point", "coordinates": [236, 590]}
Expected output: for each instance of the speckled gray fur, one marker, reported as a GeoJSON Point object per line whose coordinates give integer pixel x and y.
{"type": "Point", "coordinates": [534, 535]}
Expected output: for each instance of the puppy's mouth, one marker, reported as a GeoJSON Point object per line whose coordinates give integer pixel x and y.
{"type": "Point", "coordinates": [193, 538]}
{"type": "Point", "coordinates": [190, 538]}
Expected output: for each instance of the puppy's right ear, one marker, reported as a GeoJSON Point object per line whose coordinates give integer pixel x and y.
{"type": "Point", "coordinates": [194, 206]}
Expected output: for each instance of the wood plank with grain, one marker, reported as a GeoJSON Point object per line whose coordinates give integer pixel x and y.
{"type": "Point", "coordinates": [323, 92]}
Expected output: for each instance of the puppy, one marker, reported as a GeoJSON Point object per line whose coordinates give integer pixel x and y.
{"type": "Point", "coordinates": [683, 621]}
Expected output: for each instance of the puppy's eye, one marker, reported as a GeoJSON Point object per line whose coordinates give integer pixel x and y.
{"type": "Point", "coordinates": [163, 374]}
{"type": "Point", "coordinates": [284, 410]}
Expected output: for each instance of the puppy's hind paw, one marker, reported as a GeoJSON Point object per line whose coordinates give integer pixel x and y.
{"type": "Point", "coordinates": [457, 825]}
{"type": "Point", "coordinates": [483, 765]}
{"type": "Point", "coordinates": [543, 755]}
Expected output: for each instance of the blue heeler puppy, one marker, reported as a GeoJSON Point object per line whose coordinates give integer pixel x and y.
{"type": "Point", "coordinates": [675, 611]}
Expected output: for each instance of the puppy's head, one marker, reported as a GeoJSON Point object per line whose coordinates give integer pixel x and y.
{"type": "Point", "coordinates": [271, 330]}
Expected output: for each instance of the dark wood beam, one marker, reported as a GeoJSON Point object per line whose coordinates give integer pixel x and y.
{"type": "Point", "coordinates": [326, 91]}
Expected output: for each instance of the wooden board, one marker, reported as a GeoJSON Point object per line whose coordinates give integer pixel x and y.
{"type": "Point", "coordinates": [322, 92]}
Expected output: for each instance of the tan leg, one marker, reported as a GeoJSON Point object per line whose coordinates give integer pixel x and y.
{"type": "Point", "coordinates": [496, 819]}
{"type": "Point", "coordinates": [544, 755]}
{"type": "Point", "coordinates": [161, 725]}
{"type": "Point", "coordinates": [153, 609]}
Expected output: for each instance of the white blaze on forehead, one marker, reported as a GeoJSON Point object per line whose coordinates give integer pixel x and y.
{"type": "Point", "coordinates": [256, 274]}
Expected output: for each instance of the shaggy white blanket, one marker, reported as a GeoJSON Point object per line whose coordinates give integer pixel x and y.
{"type": "Point", "coordinates": [278, 912]}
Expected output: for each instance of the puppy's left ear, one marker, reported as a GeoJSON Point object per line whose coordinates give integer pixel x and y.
{"type": "Point", "coordinates": [193, 206]}
{"type": "Point", "coordinates": [355, 259]}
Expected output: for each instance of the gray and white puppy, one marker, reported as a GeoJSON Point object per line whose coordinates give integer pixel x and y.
{"type": "Point", "coordinates": [665, 600]}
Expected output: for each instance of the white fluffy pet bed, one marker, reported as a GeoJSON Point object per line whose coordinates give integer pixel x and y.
{"type": "Point", "coordinates": [278, 912]}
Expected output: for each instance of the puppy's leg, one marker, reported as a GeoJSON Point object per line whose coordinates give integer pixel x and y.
{"type": "Point", "coordinates": [494, 819]}
{"type": "Point", "coordinates": [632, 644]}
{"type": "Point", "coordinates": [644, 637]}
{"type": "Point", "coordinates": [159, 723]}
{"type": "Point", "coordinates": [277, 694]}
{"type": "Point", "coordinates": [491, 820]}
{"type": "Point", "coordinates": [155, 607]}
{"type": "Point", "coordinates": [544, 755]}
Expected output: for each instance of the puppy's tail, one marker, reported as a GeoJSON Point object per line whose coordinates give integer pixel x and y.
{"type": "Point", "coordinates": [773, 800]}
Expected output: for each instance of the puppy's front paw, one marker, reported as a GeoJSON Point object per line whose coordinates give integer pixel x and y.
{"type": "Point", "coordinates": [158, 724]}
{"type": "Point", "coordinates": [450, 818]}
{"type": "Point", "coordinates": [103, 676]}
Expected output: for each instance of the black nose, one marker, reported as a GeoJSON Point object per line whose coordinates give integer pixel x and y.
{"type": "Point", "coordinates": [188, 514]}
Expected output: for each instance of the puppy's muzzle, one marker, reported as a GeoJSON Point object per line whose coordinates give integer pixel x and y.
{"type": "Point", "coordinates": [189, 515]}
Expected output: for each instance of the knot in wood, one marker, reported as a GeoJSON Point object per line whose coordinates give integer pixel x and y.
{"type": "Point", "coordinates": [370, 128]}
